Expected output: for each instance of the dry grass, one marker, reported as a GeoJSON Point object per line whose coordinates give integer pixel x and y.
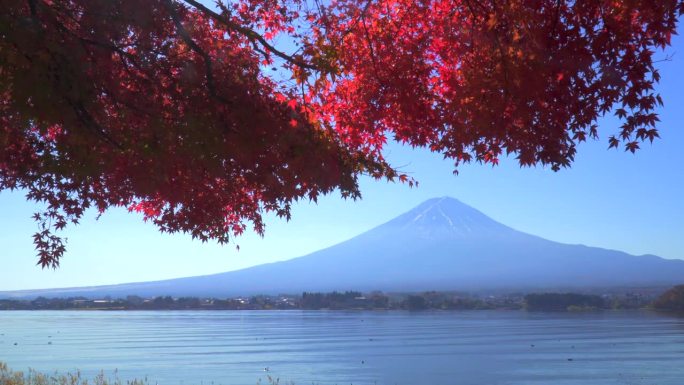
{"type": "Point", "coordinates": [10, 377]}
{"type": "Point", "coordinates": [32, 377]}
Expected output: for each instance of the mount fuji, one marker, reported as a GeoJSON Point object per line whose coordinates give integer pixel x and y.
{"type": "Point", "coordinates": [442, 244]}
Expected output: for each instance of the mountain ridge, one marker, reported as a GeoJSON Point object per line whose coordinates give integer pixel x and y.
{"type": "Point", "coordinates": [441, 244]}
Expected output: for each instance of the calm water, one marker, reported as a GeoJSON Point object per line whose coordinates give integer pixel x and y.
{"type": "Point", "coordinates": [478, 347]}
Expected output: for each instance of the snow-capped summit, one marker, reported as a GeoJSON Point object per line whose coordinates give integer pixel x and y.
{"type": "Point", "coordinates": [445, 217]}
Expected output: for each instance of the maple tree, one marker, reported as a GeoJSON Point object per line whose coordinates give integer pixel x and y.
{"type": "Point", "coordinates": [193, 116]}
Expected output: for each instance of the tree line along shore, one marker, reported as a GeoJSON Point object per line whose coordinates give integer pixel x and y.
{"type": "Point", "coordinates": [670, 300]}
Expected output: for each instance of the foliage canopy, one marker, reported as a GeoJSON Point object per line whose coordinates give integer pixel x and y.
{"type": "Point", "coordinates": [181, 112]}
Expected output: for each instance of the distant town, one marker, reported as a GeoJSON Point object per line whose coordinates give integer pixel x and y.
{"type": "Point", "coordinates": [355, 300]}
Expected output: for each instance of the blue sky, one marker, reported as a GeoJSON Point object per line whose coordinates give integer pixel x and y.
{"type": "Point", "coordinates": [608, 198]}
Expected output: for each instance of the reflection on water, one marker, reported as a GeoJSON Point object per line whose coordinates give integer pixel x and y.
{"type": "Point", "coordinates": [239, 347]}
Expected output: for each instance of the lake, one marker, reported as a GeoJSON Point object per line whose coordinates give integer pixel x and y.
{"type": "Point", "coordinates": [352, 347]}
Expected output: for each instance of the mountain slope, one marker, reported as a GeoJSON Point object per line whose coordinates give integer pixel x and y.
{"type": "Point", "coordinates": [441, 244]}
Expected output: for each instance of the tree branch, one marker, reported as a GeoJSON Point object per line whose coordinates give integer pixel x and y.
{"type": "Point", "coordinates": [90, 122]}
{"type": "Point", "coordinates": [32, 7]}
{"type": "Point", "coordinates": [251, 35]}
{"type": "Point", "coordinates": [208, 66]}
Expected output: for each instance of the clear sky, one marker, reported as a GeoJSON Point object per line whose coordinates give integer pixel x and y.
{"type": "Point", "coordinates": [608, 198]}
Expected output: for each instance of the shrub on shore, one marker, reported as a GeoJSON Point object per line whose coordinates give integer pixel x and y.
{"type": "Point", "coordinates": [672, 300]}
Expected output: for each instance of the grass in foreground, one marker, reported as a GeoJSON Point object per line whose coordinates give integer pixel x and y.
{"type": "Point", "coordinates": [32, 377]}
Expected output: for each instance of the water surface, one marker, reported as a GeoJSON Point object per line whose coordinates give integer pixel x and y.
{"type": "Point", "coordinates": [334, 347]}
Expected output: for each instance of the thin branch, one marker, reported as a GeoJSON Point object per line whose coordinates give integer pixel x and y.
{"type": "Point", "coordinates": [497, 42]}
{"type": "Point", "coordinates": [372, 52]}
{"type": "Point", "coordinates": [208, 66]}
{"type": "Point", "coordinates": [90, 122]}
{"type": "Point", "coordinates": [361, 16]}
{"type": "Point", "coordinates": [251, 35]}
{"type": "Point", "coordinates": [32, 8]}
{"type": "Point", "coordinates": [668, 57]}
{"type": "Point", "coordinates": [556, 21]}
{"type": "Point", "coordinates": [123, 55]}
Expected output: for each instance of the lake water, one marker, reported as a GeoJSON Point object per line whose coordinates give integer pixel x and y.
{"type": "Point", "coordinates": [331, 347]}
